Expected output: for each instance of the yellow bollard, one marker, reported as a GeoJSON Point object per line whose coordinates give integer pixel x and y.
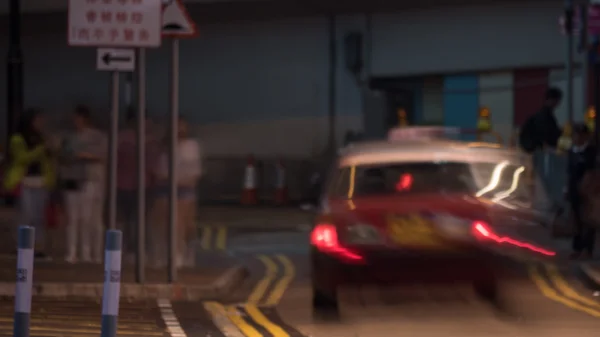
{"type": "Point", "coordinates": [402, 118]}
{"type": "Point", "coordinates": [590, 118]}
{"type": "Point", "coordinates": [484, 123]}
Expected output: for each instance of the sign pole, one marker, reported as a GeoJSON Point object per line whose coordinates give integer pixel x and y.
{"type": "Point", "coordinates": [596, 74]}
{"type": "Point", "coordinates": [14, 68]}
{"type": "Point", "coordinates": [173, 242]}
{"type": "Point", "coordinates": [583, 49]}
{"type": "Point", "coordinates": [569, 18]}
{"type": "Point", "coordinates": [141, 167]}
{"type": "Point", "coordinates": [113, 140]}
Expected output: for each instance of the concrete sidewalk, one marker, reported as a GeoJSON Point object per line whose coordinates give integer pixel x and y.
{"type": "Point", "coordinates": [59, 279]}
{"type": "Point", "coordinates": [589, 270]}
{"type": "Point", "coordinates": [207, 282]}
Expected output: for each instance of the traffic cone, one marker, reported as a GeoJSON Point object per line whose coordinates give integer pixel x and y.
{"type": "Point", "coordinates": [281, 191]}
{"type": "Point", "coordinates": [249, 196]}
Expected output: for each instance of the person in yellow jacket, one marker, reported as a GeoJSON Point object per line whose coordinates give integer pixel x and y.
{"type": "Point", "coordinates": [30, 169]}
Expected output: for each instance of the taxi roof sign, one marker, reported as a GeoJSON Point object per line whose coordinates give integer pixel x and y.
{"type": "Point", "coordinates": [422, 133]}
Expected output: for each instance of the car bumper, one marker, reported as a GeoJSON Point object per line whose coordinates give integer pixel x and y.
{"type": "Point", "coordinates": [403, 268]}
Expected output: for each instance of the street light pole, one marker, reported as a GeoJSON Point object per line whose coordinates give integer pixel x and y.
{"type": "Point", "coordinates": [14, 69]}
{"type": "Point", "coordinates": [569, 16]}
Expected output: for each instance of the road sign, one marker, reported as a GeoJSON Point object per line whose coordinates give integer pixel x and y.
{"type": "Point", "coordinates": [115, 23]}
{"type": "Point", "coordinates": [112, 59]}
{"type": "Point", "coordinates": [177, 21]}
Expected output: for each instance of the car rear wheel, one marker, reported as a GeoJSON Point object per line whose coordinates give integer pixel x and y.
{"type": "Point", "coordinates": [486, 290]}
{"type": "Point", "coordinates": [325, 304]}
{"type": "Point", "coordinates": [489, 291]}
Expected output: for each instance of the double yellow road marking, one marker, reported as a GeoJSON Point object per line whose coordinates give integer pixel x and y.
{"type": "Point", "coordinates": [558, 290]}
{"type": "Point", "coordinates": [278, 286]}
{"type": "Point", "coordinates": [213, 237]}
{"type": "Point", "coordinates": [249, 318]}
{"type": "Point", "coordinates": [235, 314]}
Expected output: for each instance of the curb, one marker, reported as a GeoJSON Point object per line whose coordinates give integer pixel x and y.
{"type": "Point", "coordinates": [176, 292]}
{"type": "Point", "coordinates": [590, 274]}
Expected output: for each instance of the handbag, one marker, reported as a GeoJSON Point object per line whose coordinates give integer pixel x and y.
{"type": "Point", "coordinates": [53, 213]}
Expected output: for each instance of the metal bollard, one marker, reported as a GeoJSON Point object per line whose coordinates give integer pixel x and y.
{"type": "Point", "coordinates": [112, 283]}
{"type": "Point", "coordinates": [26, 243]}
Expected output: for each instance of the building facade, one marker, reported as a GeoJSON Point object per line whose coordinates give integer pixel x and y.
{"type": "Point", "coordinates": [262, 85]}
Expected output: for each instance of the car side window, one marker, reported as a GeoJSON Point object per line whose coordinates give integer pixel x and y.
{"type": "Point", "coordinates": [340, 183]}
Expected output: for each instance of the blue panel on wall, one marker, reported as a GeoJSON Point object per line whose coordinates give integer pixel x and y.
{"type": "Point", "coordinates": [461, 101]}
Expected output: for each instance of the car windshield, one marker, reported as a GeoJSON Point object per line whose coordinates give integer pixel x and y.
{"type": "Point", "coordinates": [499, 182]}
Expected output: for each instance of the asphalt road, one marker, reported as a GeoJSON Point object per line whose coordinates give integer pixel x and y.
{"type": "Point", "coordinates": [544, 299]}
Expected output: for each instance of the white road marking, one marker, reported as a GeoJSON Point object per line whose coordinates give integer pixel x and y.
{"type": "Point", "coordinates": [171, 321]}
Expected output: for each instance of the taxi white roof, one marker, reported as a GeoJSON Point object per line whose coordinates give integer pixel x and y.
{"type": "Point", "coordinates": [428, 150]}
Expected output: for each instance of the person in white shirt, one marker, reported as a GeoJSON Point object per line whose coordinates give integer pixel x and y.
{"type": "Point", "coordinates": [188, 166]}
{"type": "Point", "coordinates": [83, 177]}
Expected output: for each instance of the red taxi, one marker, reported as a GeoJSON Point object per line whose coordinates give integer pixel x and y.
{"type": "Point", "coordinates": [420, 211]}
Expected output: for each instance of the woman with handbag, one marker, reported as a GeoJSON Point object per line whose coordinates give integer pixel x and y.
{"type": "Point", "coordinates": [84, 157]}
{"type": "Point", "coordinates": [30, 169]}
{"type": "Point", "coordinates": [189, 170]}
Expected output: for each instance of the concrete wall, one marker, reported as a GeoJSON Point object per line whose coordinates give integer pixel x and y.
{"type": "Point", "coordinates": [495, 93]}
{"type": "Point", "coordinates": [558, 78]}
{"type": "Point", "coordinates": [243, 85]}
{"type": "Point", "coordinates": [468, 38]}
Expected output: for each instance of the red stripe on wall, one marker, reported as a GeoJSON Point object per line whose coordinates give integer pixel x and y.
{"type": "Point", "coordinates": [530, 86]}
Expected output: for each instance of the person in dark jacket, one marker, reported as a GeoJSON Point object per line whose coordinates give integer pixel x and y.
{"type": "Point", "coordinates": [581, 160]}
{"type": "Point", "coordinates": [541, 130]}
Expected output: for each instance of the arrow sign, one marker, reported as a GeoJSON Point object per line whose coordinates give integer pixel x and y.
{"type": "Point", "coordinates": [111, 59]}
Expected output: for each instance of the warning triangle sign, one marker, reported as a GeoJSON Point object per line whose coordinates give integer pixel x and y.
{"type": "Point", "coordinates": [176, 20]}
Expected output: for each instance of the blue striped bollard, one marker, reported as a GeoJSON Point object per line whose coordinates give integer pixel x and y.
{"type": "Point", "coordinates": [26, 243]}
{"type": "Point", "coordinates": [112, 283]}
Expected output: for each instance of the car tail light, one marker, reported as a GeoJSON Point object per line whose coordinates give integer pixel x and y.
{"type": "Point", "coordinates": [324, 237]}
{"type": "Point", "coordinates": [483, 231]}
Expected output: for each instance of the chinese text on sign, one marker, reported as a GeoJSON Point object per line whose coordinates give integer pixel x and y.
{"type": "Point", "coordinates": [115, 23]}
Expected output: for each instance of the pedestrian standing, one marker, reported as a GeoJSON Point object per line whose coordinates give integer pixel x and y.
{"type": "Point", "coordinates": [581, 162]}
{"type": "Point", "coordinates": [188, 166]}
{"type": "Point", "coordinates": [127, 185]}
{"type": "Point", "coordinates": [84, 197]}
{"type": "Point", "coordinates": [541, 130]}
{"type": "Point", "coordinates": [127, 181]}
{"type": "Point", "coordinates": [31, 170]}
